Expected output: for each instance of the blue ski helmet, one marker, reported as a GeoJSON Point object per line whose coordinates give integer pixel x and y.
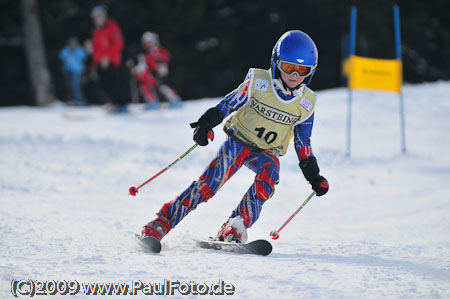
{"type": "Point", "coordinates": [295, 47]}
{"type": "Point", "coordinates": [99, 9]}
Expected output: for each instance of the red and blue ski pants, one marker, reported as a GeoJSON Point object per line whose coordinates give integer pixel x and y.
{"type": "Point", "coordinates": [230, 157]}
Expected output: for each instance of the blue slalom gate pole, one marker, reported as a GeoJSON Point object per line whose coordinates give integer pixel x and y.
{"type": "Point", "coordinates": [398, 51]}
{"type": "Point", "coordinates": [352, 47]}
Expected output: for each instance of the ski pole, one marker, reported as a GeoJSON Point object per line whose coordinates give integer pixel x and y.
{"type": "Point", "coordinates": [276, 233]}
{"type": "Point", "coordinates": [134, 190]}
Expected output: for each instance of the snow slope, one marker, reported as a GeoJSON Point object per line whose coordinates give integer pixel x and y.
{"type": "Point", "coordinates": [381, 231]}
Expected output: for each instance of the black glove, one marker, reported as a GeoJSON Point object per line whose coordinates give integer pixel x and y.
{"type": "Point", "coordinates": [320, 185]}
{"type": "Point", "coordinates": [211, 118]}
{"type": "Point", "coordinates": [311, 171]}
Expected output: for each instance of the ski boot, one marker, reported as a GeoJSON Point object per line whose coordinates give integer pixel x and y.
{"type": "Point", "coordinates": [152, 106]}
{"type": "Point", "coordinates": [156, 229]}
{"type": "Point", "coordinates": [175, 104]}
{"type": "Point", "coordinates": [233, 230]}
{"type": "Point", "coordinates": [120, 109]}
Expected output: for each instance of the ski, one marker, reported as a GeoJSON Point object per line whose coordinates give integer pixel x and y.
{"type": "Point", "coordinates": [258, 247]}
{"type": "Point", "coordinates": [148, 243]}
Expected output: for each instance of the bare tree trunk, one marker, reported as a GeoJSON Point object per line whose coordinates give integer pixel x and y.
{"type": "Point", "coordinates": [35, 51]}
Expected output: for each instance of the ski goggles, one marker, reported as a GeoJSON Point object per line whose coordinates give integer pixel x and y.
{"type": "Point", "coordinates": [288, 68]}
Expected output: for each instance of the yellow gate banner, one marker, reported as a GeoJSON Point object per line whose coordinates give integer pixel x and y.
{"type": "Point", "coordinates": [372, 73]}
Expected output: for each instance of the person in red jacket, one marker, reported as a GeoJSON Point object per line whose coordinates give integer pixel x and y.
{"type": "Point", "coordinates": [146, 81]}
{"type": "Point", "coordinates": [157, 59]}
{"type": "Point", "coordinates": [107, 44]}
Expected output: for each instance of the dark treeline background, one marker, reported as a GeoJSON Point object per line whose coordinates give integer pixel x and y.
{"type": "Point", "coordinates": [214, 42]}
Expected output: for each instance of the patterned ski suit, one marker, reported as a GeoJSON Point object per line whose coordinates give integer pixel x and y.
{"type": "Point", "coordinates": [265, 120]}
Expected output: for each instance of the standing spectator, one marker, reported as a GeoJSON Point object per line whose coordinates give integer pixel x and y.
{"type": "Point", "coordinates": [158, 62]}
{"type": "Point", "coordinates": [107, 44]}
{"type": "Point", "coordinates": [73, 57]}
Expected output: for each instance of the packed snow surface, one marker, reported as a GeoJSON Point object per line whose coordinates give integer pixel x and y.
{"type": "Point", "coordinates": [382, 231]}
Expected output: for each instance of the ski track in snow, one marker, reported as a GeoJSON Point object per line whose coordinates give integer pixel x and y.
{"type": "Point", "coordinates": [381, 231]}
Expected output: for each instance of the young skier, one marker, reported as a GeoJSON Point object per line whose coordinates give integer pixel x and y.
{"type": "Point", "coordinates": [157, 58]}
{"type": "Point", "coordinates": [146, 81]}
{"type": "Point", "coordinates": [270, 107]}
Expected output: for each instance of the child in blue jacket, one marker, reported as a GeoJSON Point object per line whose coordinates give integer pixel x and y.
{"type": "Point", "coordinates": [73, 57]}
